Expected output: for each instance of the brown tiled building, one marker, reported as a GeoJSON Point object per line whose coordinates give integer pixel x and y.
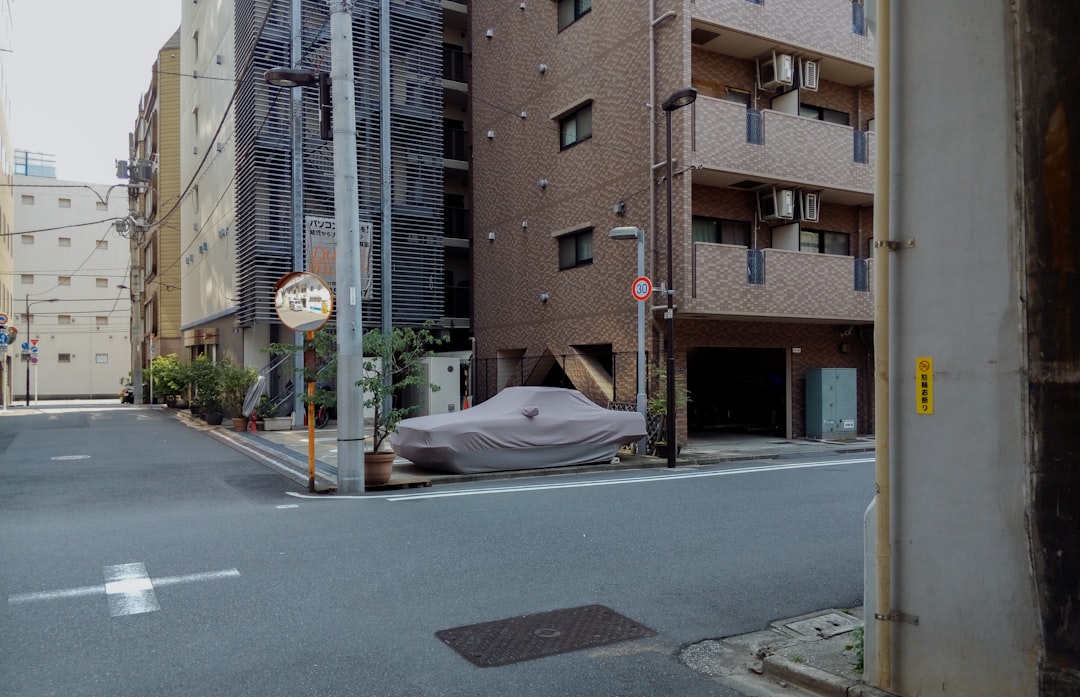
{"type": "Point", "coordinates": [772, 199]}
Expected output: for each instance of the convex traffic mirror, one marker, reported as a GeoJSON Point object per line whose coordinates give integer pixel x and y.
{"type": "Point", "coordinates": [303, 301]}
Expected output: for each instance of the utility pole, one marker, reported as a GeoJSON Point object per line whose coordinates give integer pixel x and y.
{"type": "Point", "coordinates": [139, 175]}
{"type": "Point", "coordinates": [350, 337]}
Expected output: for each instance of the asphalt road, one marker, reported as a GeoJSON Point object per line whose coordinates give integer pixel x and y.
{"type": "Point", "coordinates": [141, 557]}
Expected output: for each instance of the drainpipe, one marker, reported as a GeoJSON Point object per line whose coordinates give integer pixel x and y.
{"type": "Point", "coordinates": [882, 473]}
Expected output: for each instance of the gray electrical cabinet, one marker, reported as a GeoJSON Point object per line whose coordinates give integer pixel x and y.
{"type": "Point", "coordinates": [831, 403]}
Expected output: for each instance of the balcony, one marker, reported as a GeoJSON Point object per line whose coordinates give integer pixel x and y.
{"type": "Point", "coordinates": [733, 143]}
{"type": "Point", "coordinates": [456, 221]}
{"type": "Point", "coordinates": [455, 144]}
{"type": "Point", "coordinates": [733, 281]}
{"type": "Point", "coordinates": [830, 28]}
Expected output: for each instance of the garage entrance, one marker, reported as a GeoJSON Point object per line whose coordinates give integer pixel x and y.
{"type": "Point", "coordinates": [737, 390]}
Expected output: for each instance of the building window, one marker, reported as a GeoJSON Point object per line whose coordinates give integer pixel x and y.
{"type": "Point", "coordinates": [571, 11]}
{"type": "Point", "coordinates": [720, 231]}
{"type": "Point", "coordinates": [101, 358]}
{"type": "Point", "coordinates": [101, 321]}
{"type": "Point", "coordinates": [575, 249]}
{"type": "Point", "coordinates": [27, 239]}
{"type": "Point", "coordinates": [64, 202]}
{"type": "Point", "coordinates": [827, 115]}
{"type": "Point", "coordinates": [101, 206]}
{"type": "Point", "coordinates": [63, 358]}
{"type": "Point", "coordinates": [756, 2]}
{"type": "Point", "coordinates": [64, 241]}
{"type": "Point", "coordinates": [27, 200]}
{"type": "Point", "coordinates": [102, 282]}
{"type": "Point", "coordinates": [63, 280]}
{"type": "Point", "coordinates": [27, 279]}
{"type": "Point", "coordinates": [733, 94]}
{"type": "Point", "coordinates": [64, 319]}
{"type": "Point", "coordinates": [575, 127]}
{"type": "Point", "coordinates": [822, 242]}
{"type": "Point", "coordinates": [102, 244]}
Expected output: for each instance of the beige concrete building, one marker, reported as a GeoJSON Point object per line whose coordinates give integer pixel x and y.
{"type": "Point", "coordinates": [772, 202]}
{"type": "Point", "coordinates": [157, 142]}
{"type": "Point", "coordinates": [69, 261]}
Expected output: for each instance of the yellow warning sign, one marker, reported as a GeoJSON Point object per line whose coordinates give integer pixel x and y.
{"type": "Point", "coordinates": [924, 385]}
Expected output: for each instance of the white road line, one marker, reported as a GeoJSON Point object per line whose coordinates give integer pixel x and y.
{"type": "Point", "coordinates": [120, 586]}
{"type": "Point", "coordinates": [647, 479]}
{"type": "Point", "coordinates": [129, 590]}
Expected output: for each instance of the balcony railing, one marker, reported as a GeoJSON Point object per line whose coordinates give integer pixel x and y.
{"type": "Point", "coordinates": [455, 144]}
{"type": "Point", "coordinates": [454, 64]}
{"type": "Point", "coordinates": [732, 280]}
{"type": "Point", "coordinates": [456, 221]}
{"type": "Point", "coordinates": [775, 145]}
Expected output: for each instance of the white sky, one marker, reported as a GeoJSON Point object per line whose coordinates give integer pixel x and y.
{"type": "Point", "coordinates": [76, 74]}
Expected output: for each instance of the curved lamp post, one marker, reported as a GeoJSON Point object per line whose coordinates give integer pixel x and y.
{"type": "Point", "coordinates": [676, 100]}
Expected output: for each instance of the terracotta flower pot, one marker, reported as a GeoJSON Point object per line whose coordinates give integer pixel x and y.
{"type": "Point", "coordinates": [239, 423]}
{"type": "Point", "coordinates": [378, 467]}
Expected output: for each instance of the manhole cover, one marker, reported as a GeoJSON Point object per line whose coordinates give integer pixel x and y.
{"type": "Point", "coordinates": [518, 639]}
{"type": "Point", "coordinates": [70, 457]}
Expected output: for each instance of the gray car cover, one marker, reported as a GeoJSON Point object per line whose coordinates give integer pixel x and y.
{"type": "Point", "coordinates": [519, 428]}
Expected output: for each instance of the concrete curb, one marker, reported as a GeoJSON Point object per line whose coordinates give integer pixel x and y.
{"type": "Point", "coordinates": [818, 681]}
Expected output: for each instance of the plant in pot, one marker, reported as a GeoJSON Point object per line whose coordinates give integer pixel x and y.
{"type": "Point", "coordinates": [322, 370]}
{"type": "Point", "coordinates": [656, 406]}
{"type": "Point", "coordinates": [170, 379]}
{"type": "Point", "coordinates": [391, 365]}
{"type": "Point", "coordinates": [203, 382]}
{"type": "Point", "coordinates": [234, 380]}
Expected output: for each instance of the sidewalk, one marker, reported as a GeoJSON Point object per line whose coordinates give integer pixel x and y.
{"type": "Point", "coordinates": [798, 656]}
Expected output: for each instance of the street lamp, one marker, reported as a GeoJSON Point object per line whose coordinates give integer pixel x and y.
{"type": "Point", "coordinates": [676, 100]}
{"type": "Point", "coordinates": [29, 341]}
{"type": "Point", "coordinates": [636, 233]}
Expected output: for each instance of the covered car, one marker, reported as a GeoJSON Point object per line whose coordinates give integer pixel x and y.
{"type": "Point", "coordinates": [519, 428]}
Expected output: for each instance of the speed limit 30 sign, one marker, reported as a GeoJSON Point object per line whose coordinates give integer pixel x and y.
{"type": "Point", "coordinates": [642, 288]}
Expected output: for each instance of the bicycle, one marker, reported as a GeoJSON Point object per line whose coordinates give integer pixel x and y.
{"type": "Point", "coordinates": [322, 416]}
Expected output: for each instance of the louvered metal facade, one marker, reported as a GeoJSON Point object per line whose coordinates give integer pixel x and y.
{"type": "Point", "coordinates": [264, 227]}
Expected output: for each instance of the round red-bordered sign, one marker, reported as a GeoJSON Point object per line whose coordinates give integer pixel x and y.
{"type": "Point", "coordinates": [642, 288]}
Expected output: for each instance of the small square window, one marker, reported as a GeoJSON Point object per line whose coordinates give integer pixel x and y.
{"type": "Point", "coordinates": [102, 244]}
{"type": "Point", "coordinates": [27, 200]}
{"type": "Point", "coordinates": [102, 282]}
{"type": "Point", "coordinates": [27, 279]}
{"type": "Point", "coordinates": [102, 320]}
{"type": "Point", "coordinates": [576, 249]}
{"type": "Point", "coordinates": [575, 127]}
{"type": "Point", "coordinates": [63, 280]}
{"type": "Point", "coordinates": [64, 319]}
{"type": "Point", "coordinates": [101, 358]}
{"type": "Point", "coordinates": [27, 239]}
{"type": "Point", "coordinates": [65, 203]}
{"type": "Point", "coordinates": [64, 241]}
{"type": "Point", "coordinates": [63, 358]}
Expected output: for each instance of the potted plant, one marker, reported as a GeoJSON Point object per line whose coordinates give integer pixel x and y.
{"type": "Point", "coordinates": [234, 380]}
{"type": "Point", "coordinates": [170, 379]}
{"type": "Point", "coordinates": [391, 364]}
{"type": "Point", "coordinates": [656, 406]}
{"type": "Point", "coordinates": [203, 382]}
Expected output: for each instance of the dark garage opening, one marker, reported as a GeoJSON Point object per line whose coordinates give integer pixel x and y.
{"type": "Point", "coordinates": [737, 390]}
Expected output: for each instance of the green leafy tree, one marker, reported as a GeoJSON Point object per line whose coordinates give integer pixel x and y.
{"type": "Point", "coordinates": [391, 365]}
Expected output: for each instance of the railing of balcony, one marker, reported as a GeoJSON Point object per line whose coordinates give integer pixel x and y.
{"type": "Point", "coordinates": [456, 301]}
{"type": "Point", "coordinates": [456, 221]}
{"type": "Point", "coordinates": [454, 64]}
{"type": "Point", "coordinates": [455, 144]}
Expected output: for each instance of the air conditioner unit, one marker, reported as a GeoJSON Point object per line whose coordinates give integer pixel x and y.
{"type": "Point", "coordinates": [776, 204]}
{"type": "Point", "coordinates": [777, 71]}
{"type": "Point", "coordinates": [808, 74]}
{"type": "Point", "coordinates": [809, 206]}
